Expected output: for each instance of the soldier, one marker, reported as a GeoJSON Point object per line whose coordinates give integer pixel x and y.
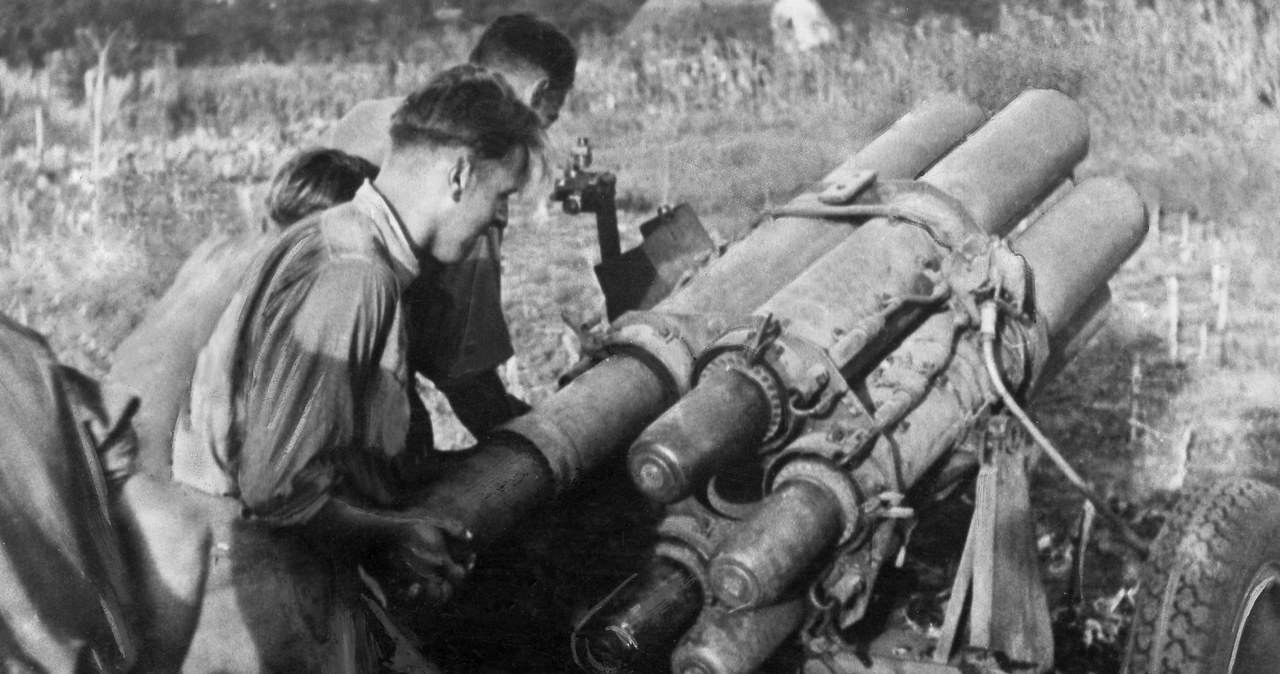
{"type": "Point", "coordinates": [299, 413]}
{"type": "Point", "coordinates": [101, 569]}
{"type": "Point", "coordinates": [158, 358]}
{"type": "Point", "coordinates": [457, 332]}
{"type": "Point", "coordinates": [313, 180]}
{"type": "Point", "coordinates": [533, 55]}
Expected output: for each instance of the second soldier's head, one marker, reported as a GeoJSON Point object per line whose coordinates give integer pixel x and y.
{"type": "Point", "coordinates": [534, 56]}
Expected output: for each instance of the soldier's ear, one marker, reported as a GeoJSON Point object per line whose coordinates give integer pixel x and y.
{"type": "Point", "coordinates": [539, 92]}
{"type": "Point", "coordinates": [547, 100]}
{"type": "Point", "coordinates": [460, 177]}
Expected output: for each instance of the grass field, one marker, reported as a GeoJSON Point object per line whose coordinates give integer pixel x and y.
{"type": "Point", "coordinates": [1180, 98]}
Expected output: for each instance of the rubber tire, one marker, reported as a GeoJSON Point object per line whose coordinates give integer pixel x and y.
{"type": "Point", "coordinates": [1194, 583]}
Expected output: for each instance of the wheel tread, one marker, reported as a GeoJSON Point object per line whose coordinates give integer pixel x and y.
{"type": "Point", "coordinates": [1198, 558]}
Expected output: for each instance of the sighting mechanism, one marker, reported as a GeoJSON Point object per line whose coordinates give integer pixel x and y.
{"type": "Point", "coordinates": [675, 243]}
{"type": "Point", "coordinates": [581, 190]}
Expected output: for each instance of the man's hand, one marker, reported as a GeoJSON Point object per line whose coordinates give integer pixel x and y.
{"type": "Point", "coordinates": [430, 557]}
{"type": "Point", "coordinates": [412, 554]}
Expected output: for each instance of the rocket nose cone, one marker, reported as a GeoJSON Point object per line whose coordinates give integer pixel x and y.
{"type": "Point", "coordinates": [655, 469]}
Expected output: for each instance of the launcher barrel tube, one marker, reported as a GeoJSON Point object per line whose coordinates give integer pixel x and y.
{"type": "Point", "coordinates": [489, 488]}
{"type": "Point", "coordinates": [1071, 340]}
{"type": "Point", "coordinates": [756, 267]}
{"type": "Point", "coordinates": [1079, 244]}
{"type": "Point", "coordinates": [639, 625]}
{"type": "Point", "coordinates": [767, 553]}
{"type": "Point", "coordinates": [1005, 168]}
{"type": "Point", "coordinates": [546, 450]}
{"type": "Point", "coordinates": [737, 642]}
{"type": "Point", "coordinates": [723, 418]}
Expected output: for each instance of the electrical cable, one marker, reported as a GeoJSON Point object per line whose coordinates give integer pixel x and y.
{"type": "Point", "coordinates": [989, 317]}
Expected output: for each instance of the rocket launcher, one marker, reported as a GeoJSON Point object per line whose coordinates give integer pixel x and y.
{"type": "Point", "coordinates": [786, 401]}
{"type": "Point", "coordinates": [648, 357]}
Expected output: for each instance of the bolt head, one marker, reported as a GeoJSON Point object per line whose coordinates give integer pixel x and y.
{"type": "Point", "coordinates": [652, 476]}
{"type": "Point", "coordinates": [734, 585]}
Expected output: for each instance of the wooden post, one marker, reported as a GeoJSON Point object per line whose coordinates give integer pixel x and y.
{"type": "Point", "coordinates": [1215, 283]}
{"type": "Point", "coordinates": [1202, 344]}
{"type": "Point", "coordinates": [1223, 300]}
{"type": "Point", "coordinates": [1181, 459]}
{"type": "Point", "coordinates": [1172, 313]}
{"type": "Point", "coordinates": [40, 136]}
{"type": "Point", "coordinates": [99, 100]}
{"type": "Point", "coordinates": [1153, 221]}
{"type": "Point", "coordinates": [43, 85]}
{"type": "Point", "coordinates": [1135, 399]}
{"type": "Point", "coordinates": [99, 94]}
{"type": "Point", "coordinates": [1222, 317]}
{"type": "Point", "coordinates": [20, 211]}
{"type": "Point", "coordinates": [1184, 241]}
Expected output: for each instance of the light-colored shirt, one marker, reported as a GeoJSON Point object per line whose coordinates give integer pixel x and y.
{"type": "Point", "coordinates": [157, 360]}
{"type": "Point", "coordinates": [301, 392]}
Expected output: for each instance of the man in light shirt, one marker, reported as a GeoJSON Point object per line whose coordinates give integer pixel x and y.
{"type": "Point", "coordinates": [300, 409]}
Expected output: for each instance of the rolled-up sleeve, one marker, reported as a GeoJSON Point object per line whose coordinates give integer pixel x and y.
{"type": "Point", "coordinates": [313, 393]}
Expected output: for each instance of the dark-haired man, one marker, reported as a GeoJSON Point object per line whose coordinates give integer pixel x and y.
{"type": "Point", "coordinates": [457, 332]}
{"type": "Point", "coordinates": [156, 361]}
{"type": "Point", "coordinates": [299, 410]}
{"type": "Point", "coordinates": [538, 60]}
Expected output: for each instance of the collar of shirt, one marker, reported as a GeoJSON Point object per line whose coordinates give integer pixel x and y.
{"type": "Point", "coordinates": [391, 229]}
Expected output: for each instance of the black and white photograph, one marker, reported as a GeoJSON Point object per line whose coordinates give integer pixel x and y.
{"type": "Point", "coordinates": [640, 336]}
